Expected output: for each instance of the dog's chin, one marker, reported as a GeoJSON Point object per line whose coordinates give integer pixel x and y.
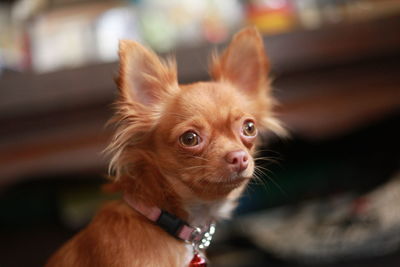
{"type": "Point", "coordinates": [217, 185]}
{"type": "Point", "coordinates": [221, 186]}
{"type": "Point", "coordinates": [226, 183]}
{"type": "Point", "coordinates": [230, 179]}
{"type": "Point", "coordinates": [234, 176]}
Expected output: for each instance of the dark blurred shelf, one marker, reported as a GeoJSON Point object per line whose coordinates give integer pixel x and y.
{"type": "Point", "coordinates": [328, 81]}
{"type": "Point", "coordinates": [301, 50]}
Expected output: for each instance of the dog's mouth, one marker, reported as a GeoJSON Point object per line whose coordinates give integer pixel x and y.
{"type": "Point", "coordinates": [217, 185]}
{"type": "Point", "coordinates": [230, 182]}
{"type": "Point", "coordinates": [229, 179]}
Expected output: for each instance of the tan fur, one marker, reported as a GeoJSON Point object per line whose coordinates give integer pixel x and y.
{"type": "Point", "coordinates": [151, 166]}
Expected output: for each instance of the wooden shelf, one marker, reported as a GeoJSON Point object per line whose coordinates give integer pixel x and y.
{"type": "Point", "coordinates": [301, 50]}
{"type": "Point", "coordinates": [328, 81]}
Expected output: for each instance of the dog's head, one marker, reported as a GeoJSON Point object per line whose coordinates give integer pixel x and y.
{"type": "Point", "coordinates": [201, 136]}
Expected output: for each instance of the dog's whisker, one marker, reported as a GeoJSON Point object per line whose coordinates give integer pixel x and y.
{"type": "Point", "coordinates": [201, 158]}
{"type": "Point", "coordinates": [268, 151]}
{"type": "Point", "coordinates": [263, 170]}
{"type": "Point", "coordinates": [257, 180]}
{"type": "Point", "coordinates": [194, 167]}
{"type": "Point", "coordinates": [267, 159]}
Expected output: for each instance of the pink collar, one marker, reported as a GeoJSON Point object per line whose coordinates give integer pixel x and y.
{"type": "Point", "coordinates": [201, 237]}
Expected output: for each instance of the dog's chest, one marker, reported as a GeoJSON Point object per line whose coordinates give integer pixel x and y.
{"type": "Point", "coordinates": [189, 254]}
{"type": "Point", "coordinates": [202, 213]}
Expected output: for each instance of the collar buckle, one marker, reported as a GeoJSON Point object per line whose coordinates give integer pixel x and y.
{"type": "Point", "coordinates": [196, 235]}
{"type": "Point", "coordinates": [202, 239]}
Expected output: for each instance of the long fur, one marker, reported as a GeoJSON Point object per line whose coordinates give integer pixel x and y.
{"type": "Point", "coordinates": [150, 164]}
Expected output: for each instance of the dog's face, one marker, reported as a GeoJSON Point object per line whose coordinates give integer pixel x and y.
{"type": "Point", "coordinates": [206, 137]}
{"type": "Point", "coordinates": [201, 135]}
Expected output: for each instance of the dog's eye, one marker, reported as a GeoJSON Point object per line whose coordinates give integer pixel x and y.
{"type": "Point", "coordinates": [189, 139]}
{"type": "Point", "coordinates": [249, 129]}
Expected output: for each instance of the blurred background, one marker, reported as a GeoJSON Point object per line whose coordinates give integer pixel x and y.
{"type": "Point", "coordinates": [330, 194]}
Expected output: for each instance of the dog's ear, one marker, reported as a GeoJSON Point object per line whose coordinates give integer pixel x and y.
{"type": "Point", "coordinates": [143, 78]}
{"type": "Point", "coordinates": [244, 63]}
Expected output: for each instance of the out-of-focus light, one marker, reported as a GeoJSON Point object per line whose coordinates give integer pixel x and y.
{"type": "Point", "coordinates": [276, 4]}
{"type": "Point", "coordinates": [114, 25]}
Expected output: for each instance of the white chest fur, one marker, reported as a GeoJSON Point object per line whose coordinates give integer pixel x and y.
{"type": "Point", "coordinates": [203, 212]}
{"type": "Point", "coordinates": [189, 254]}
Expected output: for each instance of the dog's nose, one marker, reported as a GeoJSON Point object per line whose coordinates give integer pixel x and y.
{"type": "Point", "coordinates": [237, 160]}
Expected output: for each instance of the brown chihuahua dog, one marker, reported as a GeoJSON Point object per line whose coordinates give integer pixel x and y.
{"type": "Point", "coordinates": [181, 155]}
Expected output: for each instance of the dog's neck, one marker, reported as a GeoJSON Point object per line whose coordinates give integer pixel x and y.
{"type": "Point", "coordinates": [153, 190]}
{"type": "Point", "coordinates": [201, 212]}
